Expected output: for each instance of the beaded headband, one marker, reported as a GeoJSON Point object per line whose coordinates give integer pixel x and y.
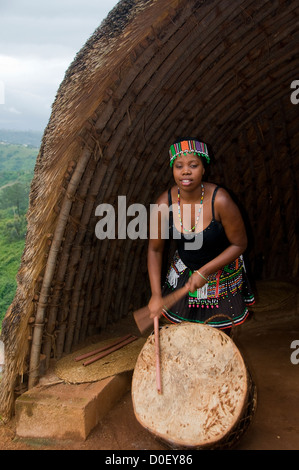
{"type": "Point", "coordinates": [188, 146]}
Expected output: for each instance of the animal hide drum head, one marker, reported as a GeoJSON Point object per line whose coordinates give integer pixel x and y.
{"type": "Point", "coordinates": [204, 386]}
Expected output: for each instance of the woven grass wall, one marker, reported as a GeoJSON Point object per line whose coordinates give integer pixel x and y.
{"type": "Point", "coordinates": [153, 71]}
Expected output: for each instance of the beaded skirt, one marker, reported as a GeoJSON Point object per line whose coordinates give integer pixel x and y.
{"type": "Point", "coordinates": [222, 302]}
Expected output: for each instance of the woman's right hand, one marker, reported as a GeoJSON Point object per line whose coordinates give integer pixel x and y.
{"type": "Point", "coordinates": [155, 305]}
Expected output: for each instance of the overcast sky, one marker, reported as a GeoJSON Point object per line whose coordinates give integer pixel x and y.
{"type": "Point", "coordinates": [38, 41]}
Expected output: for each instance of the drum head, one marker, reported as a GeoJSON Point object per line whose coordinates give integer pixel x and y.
{"type": "Point", "coordinates": [204, 386]}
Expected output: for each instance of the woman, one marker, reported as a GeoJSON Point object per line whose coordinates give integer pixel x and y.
{"type": "Point", "coordinates": [210, 237]}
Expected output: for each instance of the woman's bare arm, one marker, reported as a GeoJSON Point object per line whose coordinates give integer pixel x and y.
{"type": "Point", "coordinates": [155, 253]}
{"type": "Point", "coordinates": [229, 215]}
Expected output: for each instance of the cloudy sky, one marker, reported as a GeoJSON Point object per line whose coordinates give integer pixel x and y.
{"type": "Point", "coordinates": [38, 41]}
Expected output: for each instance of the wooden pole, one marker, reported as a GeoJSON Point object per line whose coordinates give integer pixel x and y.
{"type": "Point", "coordinates": [50, 269]}
{"type": "Point", "coordinates": [109, 351]}
{"type": "Point", "coordinates": [92, 353]}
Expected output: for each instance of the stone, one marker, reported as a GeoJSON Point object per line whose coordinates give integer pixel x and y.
{"type": "Point", "coordinates": [67, 411]}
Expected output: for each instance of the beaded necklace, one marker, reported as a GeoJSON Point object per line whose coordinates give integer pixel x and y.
{"type": "Point", "coordinates": [179, 210]}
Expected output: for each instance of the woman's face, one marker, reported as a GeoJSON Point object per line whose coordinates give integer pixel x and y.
{"type": "Point", "coordinates": [188, 171]}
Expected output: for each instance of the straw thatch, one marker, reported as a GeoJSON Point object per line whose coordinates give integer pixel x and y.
{"type": "Point", "coordinates": [154, 70]}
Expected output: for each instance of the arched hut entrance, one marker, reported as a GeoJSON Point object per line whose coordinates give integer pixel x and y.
{"type": "Point", "coordinates": [154, 70]}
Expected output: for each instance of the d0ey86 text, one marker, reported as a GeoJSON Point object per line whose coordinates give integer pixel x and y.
{"type": "Point", "coordinates": [170, 459]}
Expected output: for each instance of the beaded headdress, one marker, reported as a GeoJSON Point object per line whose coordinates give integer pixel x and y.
{"type": "Point", "coordinates": [188, 146]}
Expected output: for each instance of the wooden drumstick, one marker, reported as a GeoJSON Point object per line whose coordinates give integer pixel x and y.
{"type": "Point", "coordinates": [157, 354]}
{"type": "Point", "coordinates": [142, 316]}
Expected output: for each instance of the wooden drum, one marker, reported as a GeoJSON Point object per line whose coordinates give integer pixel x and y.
{"type": "Point", "coordinates": [208, 398]}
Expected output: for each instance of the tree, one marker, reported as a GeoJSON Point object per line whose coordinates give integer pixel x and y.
{"type": "Point", "coordinates": [15, 196]}
{"type": "Point", "coordinates": [16, 228]}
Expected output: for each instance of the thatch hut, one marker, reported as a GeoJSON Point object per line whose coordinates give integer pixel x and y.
{"type": "Point", "coordinates": [153, 70]}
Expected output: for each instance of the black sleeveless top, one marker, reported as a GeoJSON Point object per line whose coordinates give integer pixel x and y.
{"type": "Point", "coordinates": [197, 249]}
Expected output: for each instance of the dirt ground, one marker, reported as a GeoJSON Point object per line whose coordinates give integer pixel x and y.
{"type": "Point", "coordinates": [266, 348]}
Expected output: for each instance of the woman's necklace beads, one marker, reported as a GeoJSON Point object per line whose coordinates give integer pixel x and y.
{"type": "Point", "coordinates": [197, 219]}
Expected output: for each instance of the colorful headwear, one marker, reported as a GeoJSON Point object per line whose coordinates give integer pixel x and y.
{"type": "Point", "coordinates": [188, 146]}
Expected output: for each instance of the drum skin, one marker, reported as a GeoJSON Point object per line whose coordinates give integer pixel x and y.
{"type": "Point", "coordinates": [208, 397]}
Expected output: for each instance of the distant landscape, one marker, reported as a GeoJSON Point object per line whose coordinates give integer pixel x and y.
{"type": "Point", "coordinates": [18, 152]}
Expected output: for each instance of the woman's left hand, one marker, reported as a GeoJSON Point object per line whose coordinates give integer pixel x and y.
{"type": "Point", "coordinates": [195, 282]}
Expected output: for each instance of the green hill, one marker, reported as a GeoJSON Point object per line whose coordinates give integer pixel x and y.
{"type": "Point", "coordinates": [16, 163]}
{"type": "Point", "coordinates": [31, 138]}
{"type": "Point", "coordinates": [16, 172]}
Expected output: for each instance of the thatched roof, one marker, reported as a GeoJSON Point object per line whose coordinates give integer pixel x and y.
{"type": "Point", "coordinates": [154, 70]}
